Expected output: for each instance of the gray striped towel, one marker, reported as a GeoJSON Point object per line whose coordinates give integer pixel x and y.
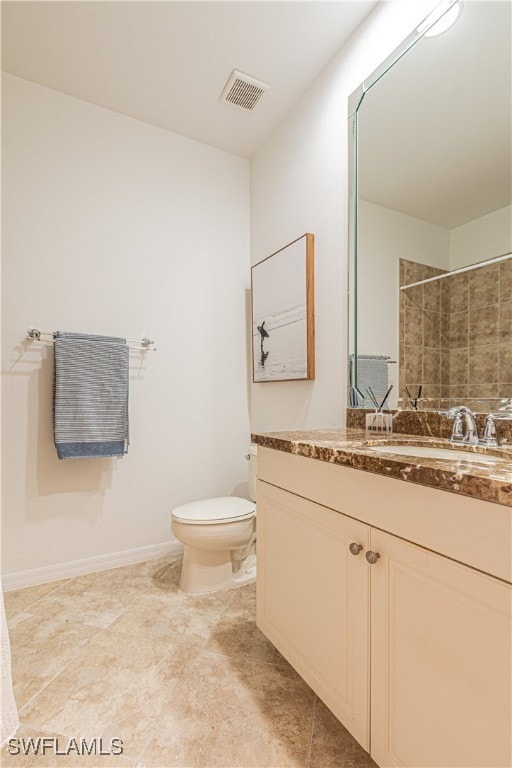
{"type": "Point", "coordinates": [91, 396]}
{"type": "Point", "coordinates": [372, 371]}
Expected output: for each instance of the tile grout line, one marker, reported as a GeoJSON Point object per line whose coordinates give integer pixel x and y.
{"type": "Point", "coordinates": [65, 666]}
{"type": "Point", "coordinates": [140, 758]}
{"type": "Point", "coordinates": [132, 760]}
{"type": "Point", "coordinates": [53, 592]}
{"type": "Point", "coordinates": [31, 605]}
{"type": "Point", "coordinates": [26, 721]}
{"type": "Point", "coordinates": [499, 330]}
{"type": "Point", "coordinates": [468, 331]}
{"type": "Point", "coordinates": [55, 676]}
{"type": "Point", "coordinates": [186, 671]}
{"type": "Point", "coordinates": [80, 652]}
{"type": "Point", "coordinates": [27, 724]}
{"type": "Point", "coordinates": [175, 560]}
{"type": "Point", "coordinates": [202, 649]}
{"type": "Point", "coordinates": [310, 745]}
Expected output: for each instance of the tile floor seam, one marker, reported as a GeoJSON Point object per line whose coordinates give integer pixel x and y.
{"type": "Point", "coordinates": [109, 626]}
{"type": "Point", "coordinates": [209, 637]}
{"type": "Point", "coordinates": [128, 605]}
{"type": "Point", "coordinates": [31, 605]}
{"type": "Point", "coordinates": [296, 745]}
{"type": "Point", "coordinates": [311, 732]}
{"type": "Point", "coordinates": [140, 759]}
{"type": "Point", "coordinates": [55, 676]}
{"type": "Point", "coordinates": [71, 622]}
{"type": "Point", "coordinates": [151, 578]}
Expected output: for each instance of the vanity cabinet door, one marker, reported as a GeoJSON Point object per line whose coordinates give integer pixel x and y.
{"type": "Point", "coordinates": [312, 599]}
{"type": "Point", "coordinates": [440, 660]}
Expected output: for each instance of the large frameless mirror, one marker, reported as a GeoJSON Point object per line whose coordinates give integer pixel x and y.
{"type": "Point", "coordinates": [430, 300]}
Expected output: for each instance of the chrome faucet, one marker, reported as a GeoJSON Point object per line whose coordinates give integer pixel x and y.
{"type": "Point", "coordinates": [490, 437]}
{"type": "Point", "coordinates": [460, 414]}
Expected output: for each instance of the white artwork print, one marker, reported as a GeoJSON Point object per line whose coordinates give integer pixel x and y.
{"type": "Point", "coordinates": [279, 330]}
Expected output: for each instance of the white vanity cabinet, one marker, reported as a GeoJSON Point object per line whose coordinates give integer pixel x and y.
{"type": "Point", "coordinates": [440, 659]}
{"type": "Point", "coordinates": [313, 599]}
{"type": "Point", "coordinates": [413, 652]}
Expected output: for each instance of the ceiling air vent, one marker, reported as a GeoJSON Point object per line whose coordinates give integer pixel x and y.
{"type": "Point", "coordinates": [243, 91]}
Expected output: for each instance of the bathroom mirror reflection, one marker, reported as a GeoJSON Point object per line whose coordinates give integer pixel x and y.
{"type": "Point", "coordinates": [430, 137]}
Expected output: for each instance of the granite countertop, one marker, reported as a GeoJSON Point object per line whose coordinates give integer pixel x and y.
{"type": "Point", "coordinates": [356, 449]}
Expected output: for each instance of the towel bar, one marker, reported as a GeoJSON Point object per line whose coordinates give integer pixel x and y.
{"type": "Point", "coordinates": [145, 344]}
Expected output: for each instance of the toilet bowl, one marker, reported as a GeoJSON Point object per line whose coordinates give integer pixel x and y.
{"type": "Point", "coordinates": [219, 539]}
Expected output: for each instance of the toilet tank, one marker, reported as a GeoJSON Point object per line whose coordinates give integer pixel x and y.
{"type": "Point", "coordinates": [252, 455]}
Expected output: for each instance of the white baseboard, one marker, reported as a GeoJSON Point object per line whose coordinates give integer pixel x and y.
{"type": "Point", "coordinates": [48, 573]}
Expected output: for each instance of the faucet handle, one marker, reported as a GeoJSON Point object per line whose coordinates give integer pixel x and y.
{"type": "Point", "coordinates": [490, 437]}
{"type": "Point", "coordinates": [455, 413]}
{"type": "Point", "coordinates": [458, 430]}
{"type": "Point", "coordinates": [506, 405]}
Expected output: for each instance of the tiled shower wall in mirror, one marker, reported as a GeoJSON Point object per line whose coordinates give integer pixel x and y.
{"type": "Point", "coordinates": [455, 336]}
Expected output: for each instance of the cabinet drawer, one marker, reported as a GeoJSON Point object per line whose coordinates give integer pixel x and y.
{"type": "Point", "coordinates": [471, 531]}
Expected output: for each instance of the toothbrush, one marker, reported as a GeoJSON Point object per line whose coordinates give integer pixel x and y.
{"type": "Point", "coordinates": [385, 397]}
{"type": "Point", "coordinates": [413, 400]}
{"type": "Point", "coordinates": [372, 398]}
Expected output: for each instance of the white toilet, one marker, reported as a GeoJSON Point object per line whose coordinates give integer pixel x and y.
{"type": "Point", "coordinates": [219, 535]}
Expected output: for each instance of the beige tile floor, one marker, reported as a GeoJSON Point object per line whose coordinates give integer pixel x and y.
{"type": "Point", "coordinates": [185, 682]}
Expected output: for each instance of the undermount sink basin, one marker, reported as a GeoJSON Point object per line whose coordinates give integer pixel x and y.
{"type": "Point", "coordinates": [425, 452]}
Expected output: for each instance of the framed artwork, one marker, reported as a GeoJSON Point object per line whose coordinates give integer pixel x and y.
{"type": "Point", "coordinates": [283, 332]}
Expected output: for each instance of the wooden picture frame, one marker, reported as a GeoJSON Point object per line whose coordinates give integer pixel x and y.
{"type": "Point", "coordinates": [283, 327]}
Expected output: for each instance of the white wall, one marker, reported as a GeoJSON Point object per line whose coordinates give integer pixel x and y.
{"type": "Point", "coordinates": [112, 226]}
{"type": "Point", "coordinates": [299, 184]}
{"type": "Point", "coordinates": [481, 238]}
{"type": "Point", "coordinates": [385, 237]}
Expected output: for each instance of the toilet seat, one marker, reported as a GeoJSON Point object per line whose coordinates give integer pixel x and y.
{"type": "Point", "coordinates": [222, 509]}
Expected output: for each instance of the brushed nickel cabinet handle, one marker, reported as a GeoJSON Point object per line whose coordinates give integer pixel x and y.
{"type": "Point", "coordinates": [355, 548]}
{"type": "Point", "coordinates": [372, 557]}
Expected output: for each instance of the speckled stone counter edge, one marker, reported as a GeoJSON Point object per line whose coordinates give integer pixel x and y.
{"type": "Point", "coordinates": [354, 449]}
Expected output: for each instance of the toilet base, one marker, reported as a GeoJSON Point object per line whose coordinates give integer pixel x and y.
{"type": "Point", "coordinates": [211, 571]}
